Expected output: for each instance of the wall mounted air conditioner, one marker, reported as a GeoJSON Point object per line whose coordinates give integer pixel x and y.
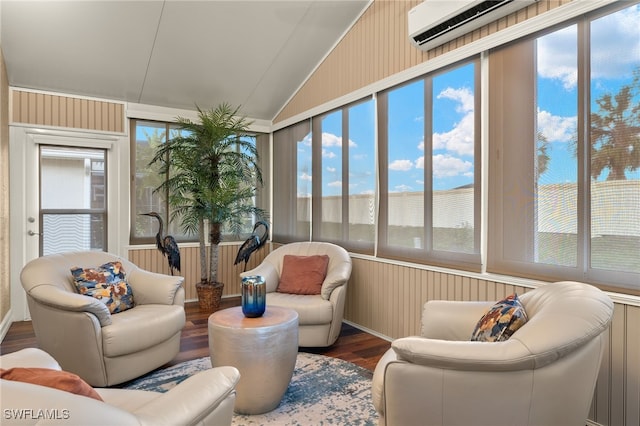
{"type": "Point", "coordinates": [434, 22]}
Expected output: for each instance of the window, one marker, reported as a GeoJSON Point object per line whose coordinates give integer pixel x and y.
{"type": "Point", "coordinates": [344, 145]}
{"type": "Point", "coordinates": [73, 191]}
{"type": "Point", "coordinates": [565, 153]}
{"type": "Point", "coordinates": [429, 179]}
{"type": "Point", "coordinates": [146, 136]}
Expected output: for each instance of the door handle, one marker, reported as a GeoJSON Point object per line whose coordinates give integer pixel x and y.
{"type": "Point", "coordinates": [31, 233]}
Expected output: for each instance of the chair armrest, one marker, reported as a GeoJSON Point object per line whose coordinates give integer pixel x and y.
{"type": "Point", "coordinates": [66, 301]}
{"type": "Point", "coordinates": [451, 320]}
{"type": "Point", "coordinates": [339, 275]}
{"type": "Point", "coordinates": [153, 288]}
{"type": "Point", "coordinates": [193, 399]}
{"type": "Point", "coordinates": [268, 272]}
{"type": "Point", "coordinates": [377, 382]}
{"type": "Point", "coordinates": [510, 355]}
{"type": "Point", "coordinates": [29, 358]}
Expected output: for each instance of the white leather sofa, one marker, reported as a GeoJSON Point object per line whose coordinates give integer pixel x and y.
{"type": "Point", "coordinates": [85, 338]}
{"type": "Point", "coordinates": [206, 398]}
{"type": "Point", "coordinates": [544, 374]}
{"type": "Point", "coordinates": [319, 316]}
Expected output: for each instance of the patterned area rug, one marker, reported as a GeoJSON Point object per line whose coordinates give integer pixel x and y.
{"type": "Point", "coordinates": [323, 391]}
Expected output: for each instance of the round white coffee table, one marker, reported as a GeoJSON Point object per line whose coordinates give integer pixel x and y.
{"type": "Point", "coordinates": [263, 349]}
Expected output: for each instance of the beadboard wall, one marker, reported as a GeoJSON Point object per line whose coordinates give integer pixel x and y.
{"type": "Point", "coordinates": [51, 110]}
{"type": "Point", "coordinates": [149, 258]}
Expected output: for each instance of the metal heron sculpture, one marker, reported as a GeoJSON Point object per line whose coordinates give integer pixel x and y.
{"type": "Point", "coordinates": [258, 238]}
{"type": "Point", "coordinates": [166, 244]}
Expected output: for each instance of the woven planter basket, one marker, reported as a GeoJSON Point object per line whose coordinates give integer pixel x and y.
{"type": "Point", "coordinates": [209, 296]}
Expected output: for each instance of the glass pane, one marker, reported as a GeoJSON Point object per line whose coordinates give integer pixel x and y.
{"type": "Point", "coordinates": [149, 135]}
{"type": "Point", "coordinates": [556, 164]}
{"type": "Point", "coordinates": [331, 126]}
{"type": "Point", "coordinates": [303, 171]}
{"type": "Point", "coordinates": [615, 141]}
{"type": "Point", "coordinates": [82, 170]}
{"type": "Point", "coordinates": [362, 179]}
{"type": "Point", "coordinates": [453, 160]}
{"type": "Point", "coordinates": [72, 178]}
{"type": "Point", "coordinates": [71, 232]}
{"type": "Point", "coordinates": [406, 166]}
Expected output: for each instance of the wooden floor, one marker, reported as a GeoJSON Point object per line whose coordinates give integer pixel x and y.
{"type": "Point", "coordinates": [353, 345]}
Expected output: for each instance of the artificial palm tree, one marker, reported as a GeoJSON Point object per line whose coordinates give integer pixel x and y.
{"type": "Point", "coordinates": [212, 175]}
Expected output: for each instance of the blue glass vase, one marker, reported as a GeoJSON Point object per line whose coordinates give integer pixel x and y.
{"type": "Point", "coordinates": [254, 296]}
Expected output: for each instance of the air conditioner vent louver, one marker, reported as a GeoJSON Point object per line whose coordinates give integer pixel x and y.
{"type": "Point", "coordinates": [435, 22]}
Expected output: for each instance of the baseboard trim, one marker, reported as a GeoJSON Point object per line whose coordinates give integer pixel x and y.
{"type": "Point", "coordinates": [5, 325]}
{"type": "Point", "coordinates": [592, 423]}
{"type": "Point", "coordinates": [368, 330]}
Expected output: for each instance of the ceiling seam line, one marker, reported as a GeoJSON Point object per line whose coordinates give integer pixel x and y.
{"type": "Point", "coordinates": [153, 46]}
{"type": "Point", "coordinates": [275, 57]}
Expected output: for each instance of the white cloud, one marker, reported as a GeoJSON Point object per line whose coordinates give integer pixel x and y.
{"type": "Point", "coordinates": [556, 128]}
{"type": "Point", "coordinates": [331, 169]}
{"type": "Point", "coordinates": [447, 166]}
{"type": "Point", "coordinates": [557, 56]}
{"type": "Point", "coordinates": [613, 37]}
{"type": "Point", "coordinates": [402, 188]}
{"type": "Point", "coordinates": [305, 176]}
{"type": "Point", "coordinates": [463, 96]}
{"type": "Point", "coordinates": [401, 165]}
{"type": "Point", "coordinates": [335, 183]}
{"type": "Point", "coordinates": [328, 154]}
{"type": "Point", "coordinates": [329, 139]}
{"type": "Point", "coordinates": [459, 139]}
{"type": "Point", "coordinates": [420, 162]}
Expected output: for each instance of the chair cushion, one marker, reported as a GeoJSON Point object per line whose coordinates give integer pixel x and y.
{"type": "Point", "coordinates": [311, 309]}
{"type": "Point", "coordinates": [106, 283]}
{"type": "Point", "coordinates": [62, 380]}
{"type": "Point", "coordinates": [502, 320]}
{"type": "Point", "coordinates": [140, 328]}
{"type": "Point", "coordinates": [303, 274]}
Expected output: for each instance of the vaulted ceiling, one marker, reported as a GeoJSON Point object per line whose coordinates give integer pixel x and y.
{"type": "Point", "coordinates": [173, 53]}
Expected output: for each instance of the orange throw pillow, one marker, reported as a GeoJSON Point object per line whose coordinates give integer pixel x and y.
{"type": "Point", "coordinates": [62, 380]}
{"type": "Point", "coordinates": [303, 274]}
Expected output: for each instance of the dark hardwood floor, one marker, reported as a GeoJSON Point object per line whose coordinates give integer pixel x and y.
{"type": "Point", "coordinates": [353, 345]}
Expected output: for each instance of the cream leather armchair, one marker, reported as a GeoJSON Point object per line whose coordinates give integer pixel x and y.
{"type": "Point", "coordinates": [81, 333]}
{"type": "Point", "coordinates": [319, 316]}
{"type": "Point", "coordinates": [544, 374]}
{"type": "Point", "coordinates": [206, 398]}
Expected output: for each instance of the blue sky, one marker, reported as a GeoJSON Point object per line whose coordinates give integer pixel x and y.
{"type": "Point", "coordinates": [615, 53]}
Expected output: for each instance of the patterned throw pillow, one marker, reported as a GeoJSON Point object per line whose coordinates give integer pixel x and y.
{"type": "Point", "coordinates": [107, 283]}
{"type": "Point", "coordinates": [502, 320]}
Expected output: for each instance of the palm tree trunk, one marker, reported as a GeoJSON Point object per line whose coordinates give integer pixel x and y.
{"type": "Point", "coordinates": [214, 238]}
{"type": "Point", "coordinates": [203, 252]}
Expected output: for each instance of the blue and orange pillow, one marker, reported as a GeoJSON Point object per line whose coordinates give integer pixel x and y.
{"type": "Point", "coordinates": [106, 283]}
{"type": "Point", "coordinates": [502, 320]}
